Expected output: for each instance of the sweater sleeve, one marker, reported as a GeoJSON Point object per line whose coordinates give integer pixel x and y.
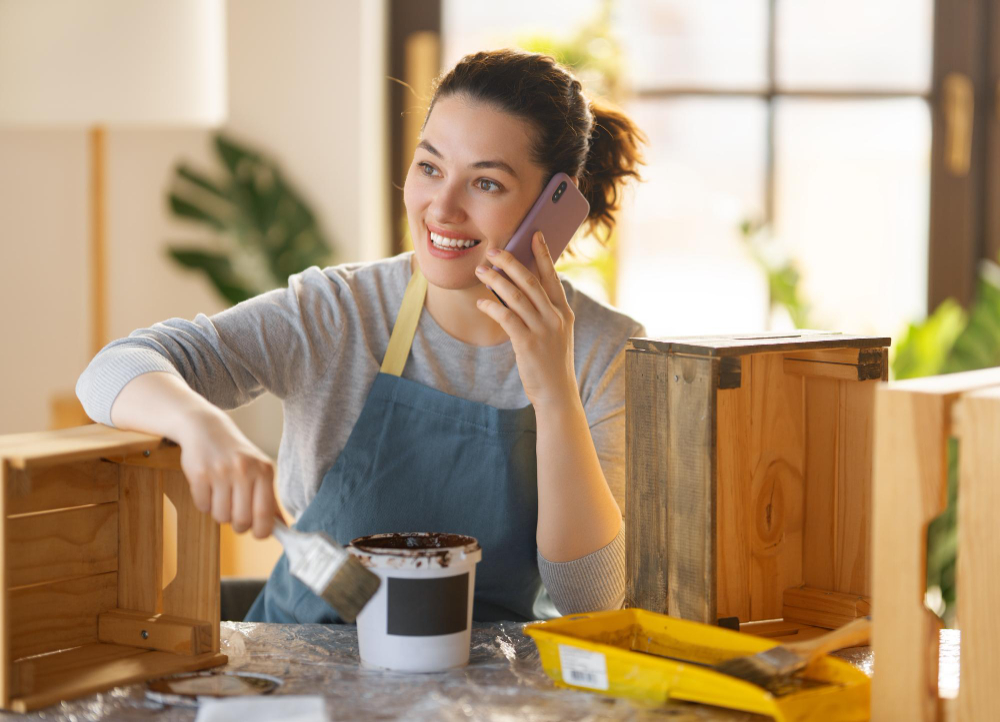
{"type": "Point", "coordinates": [275, 342]}
{"type": "Point", "coordinates": [597, 581]}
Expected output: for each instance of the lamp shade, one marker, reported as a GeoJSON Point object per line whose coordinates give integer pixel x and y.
{"type": "Point", "coordinates": [112, 62]}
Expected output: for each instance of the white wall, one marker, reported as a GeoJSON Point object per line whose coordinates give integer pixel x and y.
{"type": "Point", "coordinates": [305, 84]}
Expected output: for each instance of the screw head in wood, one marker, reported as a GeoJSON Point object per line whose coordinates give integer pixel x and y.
{"type": "Point", "coordinates": [145, 634]}
{"type": "Point", "coordinates": [146, 453]}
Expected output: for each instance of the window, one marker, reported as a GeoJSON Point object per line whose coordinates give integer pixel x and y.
{"type": "Point", "coordinates": [809, 116]}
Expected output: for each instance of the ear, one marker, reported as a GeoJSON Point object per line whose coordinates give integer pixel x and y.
{"type": "Point", "coordinates": [576, 181]}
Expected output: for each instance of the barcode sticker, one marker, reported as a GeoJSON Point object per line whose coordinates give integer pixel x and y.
{"type": "Point", "coordinates": [583, 668]}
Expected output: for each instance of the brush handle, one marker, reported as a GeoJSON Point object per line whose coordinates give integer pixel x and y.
{"type": "Point", "coordinates": [850, 635]}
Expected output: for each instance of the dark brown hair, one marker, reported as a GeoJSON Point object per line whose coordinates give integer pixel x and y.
{"type": "Point", "coordinates": [582, 137]}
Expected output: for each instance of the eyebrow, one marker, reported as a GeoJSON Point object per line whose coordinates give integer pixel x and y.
{"type": "Point", "coordinates": [498, 164]}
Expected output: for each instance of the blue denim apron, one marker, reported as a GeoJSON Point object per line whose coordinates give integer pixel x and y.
{"type": "Point", "coordinates": [422, 460]}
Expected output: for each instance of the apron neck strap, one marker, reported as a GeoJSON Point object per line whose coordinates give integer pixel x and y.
{"type": "Point", "coordinates": [406, 325]}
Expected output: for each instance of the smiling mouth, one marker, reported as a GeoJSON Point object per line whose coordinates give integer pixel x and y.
{"type": "Point", "coordinates": [451, 244]}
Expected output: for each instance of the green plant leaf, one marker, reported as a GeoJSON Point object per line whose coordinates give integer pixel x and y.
{"type": "Point", "coordinates": [926, 345]}
{"type": "Point", "coordinates": [186, 209]}
{"type": "Point", "coordinates": [192, 176]}
{"type": "Point", "coordinates": [218, 269]}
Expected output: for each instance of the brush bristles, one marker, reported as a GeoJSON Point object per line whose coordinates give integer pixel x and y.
{"type": "Point", "coordinates": [350, 588]}
{"type": "Point", "coordinates": [765, 668]}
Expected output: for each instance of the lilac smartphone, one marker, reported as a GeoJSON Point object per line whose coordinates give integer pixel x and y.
{"type": "Point", "coordinates": [559, 211]}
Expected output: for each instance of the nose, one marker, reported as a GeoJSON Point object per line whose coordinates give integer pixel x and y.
{"type": "Point", "coordinates": [446, 207]}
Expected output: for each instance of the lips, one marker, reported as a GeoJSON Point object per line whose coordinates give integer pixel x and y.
{"type": "Point", "coordinates": [449, 253]}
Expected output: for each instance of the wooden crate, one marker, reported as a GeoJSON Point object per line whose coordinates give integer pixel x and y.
{"type": "Point", "coordinates": [89, 597]}
{"type": "Point", "coordinates": [914, 420]}
{"type": "Point", "coordinates": [748, 465]}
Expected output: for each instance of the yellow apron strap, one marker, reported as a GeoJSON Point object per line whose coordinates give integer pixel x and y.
{"type": "Point", "coordinates": [406, 325]}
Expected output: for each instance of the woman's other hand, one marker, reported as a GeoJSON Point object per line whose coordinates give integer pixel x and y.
{"type": "Point", "coordinates": [539, 321]}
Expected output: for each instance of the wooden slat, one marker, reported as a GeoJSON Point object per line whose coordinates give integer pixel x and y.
{"type": "Point", "coordinates": [70, 543]}
{"type": "Point", "coordinates": [155, 631]}
{"type": "Point", "coordinates": [822, 399]}
{"type": "Point", "coordinates": [777, 458]}
{"type": "Point", "coordinates": [194, 592]}
{"type": "Point", "coordinates": [59, 615]}
{"type": "Point", "coordinates": [782, 631]}
{"type": "Point", "coordinates": [845, 372]}
{"type": "Point", "coordinates": [167, 456]}
{"type": "Point", "coordinates": [646, 441]}
{"type": "Point", "coordinates": [761, 343]}
{"type": "Point", "coordinates": [58, 487]}
{"type": "Point", "coordinates": [31, 674]}
{"type": "Point", "coordinates": [88, 676]}
{"type": "Point", "coordinates": [140, 535]}
{"type": "Point", "coordinates": [691, 490]}
{"type": "Point", "coordinates": [6, 667]}
{"type": "Point", "coordinates": [821, 608]}
{"type": "Point", "coordinates": [66, 446]}
{"type": "Point", "coordinates": [910, 488]}
{"type": "Point", "coordinates": [978, 584]}
{"type": "Point", "coordinates": [852, 561]}
{"type": "Point", "coordinates": [733, 497]}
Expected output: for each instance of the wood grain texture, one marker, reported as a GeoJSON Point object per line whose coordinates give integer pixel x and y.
{"type": "Point", "coordinates": [691, 490]}
{"type": "Point", "coordinates": [759, 343]}
{"type": "Point", "coordinates": [781, 630]}
{"type": "Point", "coordinates": [58, 545]}
{"type": "Point", "coordinates": [59, 487]}
{"type": "Point", "coordinates": [6, 666]}
{"type": "Point", "coordinates": [140, 538]}
{"type": "Point", "coordinates": [59, 615]}
{"type": "Point", "coordinates": [81, 443]}
{"type": "Point", "coordinates": [155, 631]}
{"type": "Point", "coordinates": [852, 555]}
{"type": "Point", "coordinates": [646, 442]}
{"type": "Point", "coordinates": [733, 476]}
{"type": "Point", "coordinates": [822, 608]}
{"type": "Point", "coordinates": [777, 486]}
{"type": "Point", "coordinates": [194, 592]}
{"type": "Point", "coordinates": [819, 533]}
{"type": "Point", "coordinates": [89, 676]}
{"type": "Point", "coordinates": [31, 675]}
{"type": "Point", "coordinates": [910, 489]}
{"type": "Point", "coordinates": [978, 583]}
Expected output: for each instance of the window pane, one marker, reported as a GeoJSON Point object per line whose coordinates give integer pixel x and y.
{"type": "Point", "coordinates": [854, 44]}
{"type": "Point", "coordinates": [468, 27]}
{"type": "Point", "coordinates": [713, 43]}
{"type": "Point", "coordinates": [683, 266]}
{"type": "Point", "coordinates": [851, 205]}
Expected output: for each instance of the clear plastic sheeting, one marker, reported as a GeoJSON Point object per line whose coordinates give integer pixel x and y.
{"type": "Point", "coordinates": [503, 682]}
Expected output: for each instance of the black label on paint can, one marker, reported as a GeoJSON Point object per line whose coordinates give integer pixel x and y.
{"type": "Point", "coordinates": [428, 607]}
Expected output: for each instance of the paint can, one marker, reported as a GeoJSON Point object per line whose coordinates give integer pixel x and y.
{"type": "Point", "coordinates": [420, 620]}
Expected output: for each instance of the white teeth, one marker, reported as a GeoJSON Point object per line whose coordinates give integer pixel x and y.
{"type": "Point", "coordinates": [451, 242]}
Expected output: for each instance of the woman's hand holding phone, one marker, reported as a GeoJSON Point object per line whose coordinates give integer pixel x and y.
{"type": "Point", "coordinates": [539, 321]}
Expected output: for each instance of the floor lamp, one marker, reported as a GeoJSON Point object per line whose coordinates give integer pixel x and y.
{"type": "Point", "coordinates": [104, 64]}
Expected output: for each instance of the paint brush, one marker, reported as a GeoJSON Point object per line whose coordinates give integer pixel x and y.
{"type": "Point", "coordinates": [768, 669]}
{"type": "Point", "coordinates": [329, 570]}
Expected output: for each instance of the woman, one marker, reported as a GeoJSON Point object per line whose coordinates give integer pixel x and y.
{"type": "Point", "coordinates": [504, 423]}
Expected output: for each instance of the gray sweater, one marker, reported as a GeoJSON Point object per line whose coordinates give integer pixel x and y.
{"type": "Point", "coordinates": [318, 345]}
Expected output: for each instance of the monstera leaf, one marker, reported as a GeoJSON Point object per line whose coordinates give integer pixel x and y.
{"type": "Point", "coordinates": [265, 231]}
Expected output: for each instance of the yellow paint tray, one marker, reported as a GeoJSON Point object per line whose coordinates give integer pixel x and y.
{"type": "Point", "coordinates": [625, 653]}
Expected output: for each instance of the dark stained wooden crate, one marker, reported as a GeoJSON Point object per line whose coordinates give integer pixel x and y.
{"type": "Point", "coordinates": [749, 464]}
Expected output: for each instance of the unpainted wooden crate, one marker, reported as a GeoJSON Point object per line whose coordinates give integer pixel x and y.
{"type": "Point", "coordinates": [914, 421]}
{"type": "Point", "coordinates": [89, 597]}
{"type": "Point", "coordinates": [748, 478]}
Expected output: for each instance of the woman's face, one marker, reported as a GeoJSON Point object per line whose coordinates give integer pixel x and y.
{"type": "Point", "coordinates": [470, 184]}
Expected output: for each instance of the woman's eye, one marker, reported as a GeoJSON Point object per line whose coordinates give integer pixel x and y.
{"type": "Point", "coordinates": [481, 181]}
{"type": "Point", "coordinates": [424, 167]}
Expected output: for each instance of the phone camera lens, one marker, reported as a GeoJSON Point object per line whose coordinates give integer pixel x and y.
{"type": "Point", "coordinates": [559, 192]}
